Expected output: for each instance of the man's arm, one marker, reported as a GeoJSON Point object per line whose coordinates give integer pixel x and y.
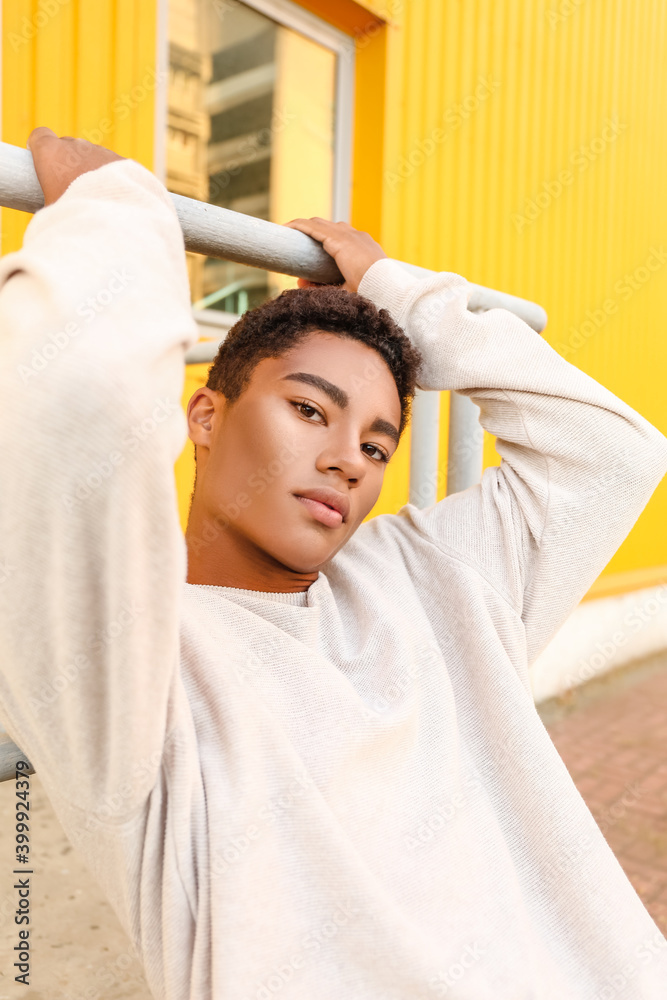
{"type": "Point", "coordinates": [577, 468]}
{"type": "Point", "coordinates": [578, 465]}
{"type": "Point", "coordinates": [94, 320]}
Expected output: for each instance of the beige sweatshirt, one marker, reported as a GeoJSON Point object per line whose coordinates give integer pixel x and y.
{"type": "Point", "coordinates": [344, 794]}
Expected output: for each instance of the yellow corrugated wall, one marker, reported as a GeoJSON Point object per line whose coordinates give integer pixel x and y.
{"type": "Point", "coordinates": [546, 179]}
{"type": "Point", "coordinates": [527, 97]}
{"type": "Point", "coordinates": [84, 68]}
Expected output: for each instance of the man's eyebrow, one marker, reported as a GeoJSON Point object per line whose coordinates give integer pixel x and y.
{"type": "Point", "coordinates": [381, 426]}
{"type": "Point", "coordinates": [334, 392]}
{"type": "Point", "coordinates": [341, 398]}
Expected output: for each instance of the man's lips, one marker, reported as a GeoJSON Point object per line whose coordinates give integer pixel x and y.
{"type": "Point", "coordinates": [327, 505]}
{"type": "Point", "coordinates": [320, 511]}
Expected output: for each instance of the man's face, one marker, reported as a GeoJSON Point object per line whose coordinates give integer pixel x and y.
{"type": "Point", "coordinates": [324, 416]}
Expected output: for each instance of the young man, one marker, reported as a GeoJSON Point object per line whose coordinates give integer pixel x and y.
{"type": "Point", "coordinates": [300, 753]}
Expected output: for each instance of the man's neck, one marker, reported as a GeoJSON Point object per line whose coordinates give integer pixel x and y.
{"type": "Point", "coordinates": [220, 557]}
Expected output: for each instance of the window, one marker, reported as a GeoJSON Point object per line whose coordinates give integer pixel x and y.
{"type": "Point", "coordinates": [258, 121]}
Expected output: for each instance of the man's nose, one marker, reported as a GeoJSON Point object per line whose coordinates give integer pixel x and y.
{"type": "Point", "coordinates": [343, 454]}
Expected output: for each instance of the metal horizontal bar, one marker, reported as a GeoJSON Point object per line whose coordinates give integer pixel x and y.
{"type": "Point", "coordinates": [9, 755]}
{"type": "Point", "coordinates": [482, 299]}
{"type": "Point", "coordinates": [219, 232]}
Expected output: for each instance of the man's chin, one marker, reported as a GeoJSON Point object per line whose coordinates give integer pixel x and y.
{"type": "Point", "coordinates": [304, 555]}
{"type": "Point", "coordinates": [301, 548]}
{"type": "Point", "coordinates": [303, 563]}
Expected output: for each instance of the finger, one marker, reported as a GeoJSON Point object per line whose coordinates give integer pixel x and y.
{"type": "Point", "coordinates": [310, 225]}
{"type": "Point", "coordinates": [317, 232]}
{"type": "Point", "coordinates": [38, 135]}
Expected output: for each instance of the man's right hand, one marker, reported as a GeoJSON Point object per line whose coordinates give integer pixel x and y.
{"type": "Point", "coordinates": [59, 161]}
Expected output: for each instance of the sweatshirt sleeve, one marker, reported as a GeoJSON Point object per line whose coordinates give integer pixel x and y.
{"type": "Point", "coordinates": [95, 317]}
{"type": "Point", "coordinates": [577, 468]}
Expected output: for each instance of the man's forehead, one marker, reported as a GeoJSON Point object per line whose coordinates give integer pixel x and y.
{"type": "Point", "coordinates": [332, 352]}
{"type": "Point", "coordinates": [344, 368]}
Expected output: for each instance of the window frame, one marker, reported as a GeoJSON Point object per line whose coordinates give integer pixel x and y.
{"type": "Point", "coordinates": [290, 15]}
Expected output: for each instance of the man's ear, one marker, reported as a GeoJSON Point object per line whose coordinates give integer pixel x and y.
{"type": "Point", "coordinates": [203, 408]}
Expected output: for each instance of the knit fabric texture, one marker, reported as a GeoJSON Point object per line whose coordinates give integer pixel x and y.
{"type": "Point", "coordinates": [342, 793]}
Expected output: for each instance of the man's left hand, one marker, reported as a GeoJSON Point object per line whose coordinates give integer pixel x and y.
{"type": "Point", "coordinates": [353, 251]}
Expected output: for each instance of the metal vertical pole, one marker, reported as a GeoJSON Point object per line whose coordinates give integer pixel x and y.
{"type": "Point", "coordinates": [425, 436]}
{"type": "Point", "coordinates": [465, 446]}
{"type": "Point", "coordinates": [464, 450]}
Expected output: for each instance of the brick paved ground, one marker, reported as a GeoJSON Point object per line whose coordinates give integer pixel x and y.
{"type": "Point", "coordinates": [615, 748]}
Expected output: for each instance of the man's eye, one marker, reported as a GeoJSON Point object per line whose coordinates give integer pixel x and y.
{"type": "Point", "coordinates": [381, 456]}
{"type": "Point", "coordinates": [303, 409]}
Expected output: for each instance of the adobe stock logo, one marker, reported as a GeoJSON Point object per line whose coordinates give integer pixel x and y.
{"type": "Point", "coordinates": [30, 26]}
{"type": "Point", "coordinates": [452, 119]}
{"type": "Point", "coordinates": [91, 306]}
{"type": "Point", "coordinates": [581, 159]}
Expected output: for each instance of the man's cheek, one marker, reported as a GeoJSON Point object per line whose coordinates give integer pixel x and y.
{"type": "Point", "coordinates": [369, 498]}
{"type": "Point", "coordinates": [256, 484]}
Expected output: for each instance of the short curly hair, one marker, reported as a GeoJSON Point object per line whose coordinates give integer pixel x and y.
{"type": "Point", "coordinates": [272, 329]}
